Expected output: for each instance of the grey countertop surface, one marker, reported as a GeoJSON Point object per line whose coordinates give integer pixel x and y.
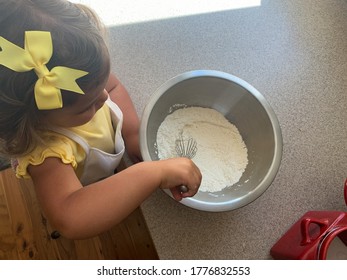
{"type": "Point", "coordinates": [294, 53]}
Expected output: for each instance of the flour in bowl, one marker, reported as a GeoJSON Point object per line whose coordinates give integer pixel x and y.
{"type": "Point", "coordinates": [222, 153]}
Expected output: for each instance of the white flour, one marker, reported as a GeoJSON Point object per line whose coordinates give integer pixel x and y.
{"type": "Point", "coordinates": [221, 155]}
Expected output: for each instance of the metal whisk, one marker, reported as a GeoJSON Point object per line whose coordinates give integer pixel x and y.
{"type": "Point", "coordinates": [185, 148]}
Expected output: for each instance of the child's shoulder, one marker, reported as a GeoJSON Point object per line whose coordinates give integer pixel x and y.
{"type": "Point", "coordinates": [53, 145]}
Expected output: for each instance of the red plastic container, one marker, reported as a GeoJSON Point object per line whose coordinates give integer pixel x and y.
{"type": "Point", "coordinates": [312, 235]}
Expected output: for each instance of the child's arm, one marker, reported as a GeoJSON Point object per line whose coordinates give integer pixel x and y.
{"type": "Point", "coordinates": [131, 123]}
{"type": "Point", "coordinates": [81, 212]}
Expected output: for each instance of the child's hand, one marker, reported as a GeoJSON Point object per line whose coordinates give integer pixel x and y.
{"type": "Point", "coordinates": [178, 172]}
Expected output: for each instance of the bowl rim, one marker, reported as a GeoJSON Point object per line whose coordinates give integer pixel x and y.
{"type": "Point", "coordinates": [274, 167]}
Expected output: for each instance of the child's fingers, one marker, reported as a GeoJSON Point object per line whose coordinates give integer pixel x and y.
{"type": "Point", "coordinates": [191, 191]}
{"type": "Point", "coordinates": [176, 193]}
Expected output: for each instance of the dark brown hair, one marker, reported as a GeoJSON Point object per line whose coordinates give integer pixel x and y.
{"type": "Point", "coordinates": [78, 43]}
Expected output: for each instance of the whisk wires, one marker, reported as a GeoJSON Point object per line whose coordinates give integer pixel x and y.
{"type": "Point", "coordinates": [186, 148]}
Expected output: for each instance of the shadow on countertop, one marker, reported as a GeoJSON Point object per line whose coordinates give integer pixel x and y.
{"type": "Point", "coordinates": [4, 163]}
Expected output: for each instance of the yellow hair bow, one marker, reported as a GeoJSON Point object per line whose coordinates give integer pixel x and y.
{"type": "Point", "coordinates": [37, 52]}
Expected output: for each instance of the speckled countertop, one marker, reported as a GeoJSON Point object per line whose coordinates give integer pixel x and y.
{"type": "Point", "coordinates": [295, 54]}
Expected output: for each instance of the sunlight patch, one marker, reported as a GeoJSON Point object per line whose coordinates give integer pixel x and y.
{"type": "Point", "coordinates": [120, 12]}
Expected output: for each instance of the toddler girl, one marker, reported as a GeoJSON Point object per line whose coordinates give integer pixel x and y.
{"type": "Point", "coordinates": [63, 117]}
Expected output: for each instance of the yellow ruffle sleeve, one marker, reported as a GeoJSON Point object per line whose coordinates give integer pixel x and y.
{"type": "Point", "coordinates": [56, 145]}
